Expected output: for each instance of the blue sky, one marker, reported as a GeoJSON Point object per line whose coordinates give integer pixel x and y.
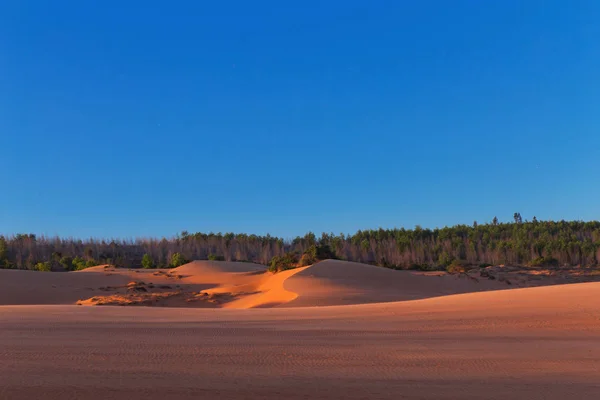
{"type": "Point", "coordinates": [125, 119]}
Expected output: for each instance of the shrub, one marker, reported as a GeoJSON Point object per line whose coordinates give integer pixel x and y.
{"type": "Point", "coordinates": [485, 265]}
{"type": "Point", "coordinates": [78, 264]}
{"type": "Point", "coordinates": [306, 260]}
{"type": "Point", "coordinates": [214, 257]}
{"type": "Point", "coordinates": [43, 266]}
{"type": "Point", "coordinates": [67, 263]}
{"type": "Point", "coordinates": [282, 263]}
{"type": "Point", "coordinates": [177, 260]}
{"type": "Point", "coordinates": [424, 267]}
{"type": "Point", "coordinates": [3, 249]}
{"type": "Point", "coordinates": [147, 261]}
{"type": "Point", "coordinates": [544, 262]}
{"type": "Point", "coordinates": [456, 267]}
{"type": "Point", "coordinates": [315, 253]}
{"type": "Point", "coordinates": [324, 252]}
{"type": "Point", "coordinates": [445, 259]}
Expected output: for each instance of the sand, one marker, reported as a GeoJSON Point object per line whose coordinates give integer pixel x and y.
{"type": "Point", "coordinates": [527, 343]}
{"type": "Point", "coordinates": [335, 282]}
{"type": "Point", "coordinates": [209, 284]}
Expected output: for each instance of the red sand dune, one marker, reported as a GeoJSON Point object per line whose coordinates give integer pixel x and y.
{"type": "Point", "coordinates": [237, 285]}
{"type": "Point", "coordinates": [530, 343]}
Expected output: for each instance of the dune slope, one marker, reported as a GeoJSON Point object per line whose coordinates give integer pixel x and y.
{"type": "Point", "coordinates": [534, 343]}
{"type": "Point", "coordinates": [334, 282]}
{"type": "Point", "coordinates": [232, 285]}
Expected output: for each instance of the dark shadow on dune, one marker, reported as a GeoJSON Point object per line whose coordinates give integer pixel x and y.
{"type": "Point", "coordinates": [269, 305]}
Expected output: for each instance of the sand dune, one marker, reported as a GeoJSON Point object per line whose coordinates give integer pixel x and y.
{"type": "Point", "coordinates": [534, 343]}
{"type": "Point", "coordinates": [328, 331]}
{"type": "Point", "coordinates": [232, 285]}
{"type": "Point", "coordinates": [32, 287]}
{"type": "Point", "coordinates": [109, 285]}
{"type": "Point", "coordinates": [210, 269]}
{"type": "Point", "coordinates": [334, 282]}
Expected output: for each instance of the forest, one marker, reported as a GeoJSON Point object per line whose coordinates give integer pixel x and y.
{"type": "Point", "coordinates": [530, 243]}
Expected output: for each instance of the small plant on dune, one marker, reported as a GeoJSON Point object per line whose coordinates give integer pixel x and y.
{"type": "Point", "coordinates": [43, 266]}
{"type": "Point", "coordinates": [67, 263]}
{"type": "Point", "coordinates": [309, 256]}
{"type": "Point", "coordinates": [456, 267]}
{"type": "Point", "coordinates": [316, 253]}
{"type": "Point", "coordinates": [324, 252]}
{"type": "Point", "coordinates": [3, 249]}
{"type": "Point", "coordinates": [147, 261]}
{"type": "Point", "coordinates": [445, 259]}
{"type": "Point", "coordinates": [215, 257]}
{"type": "Point", "coordinates": [282, 263]}
{"type": "Point", "coordinates": [177, 260]}
{"type": "Point", "coordinates": [78, 264]}
{"type": "Point", "coordinates": [306, 260]}
{"type": "Point", "coordinates": [544, 262]}
{"type": "Point", "coordinates": [424, 267]}
{"type": "Point", "coordinates": [5, 263]}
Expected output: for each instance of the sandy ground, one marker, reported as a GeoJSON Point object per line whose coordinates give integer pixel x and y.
{"type": "Point", "coordinates": [531, 343]}
{"type": "Point", "coordinates": [209, 284]}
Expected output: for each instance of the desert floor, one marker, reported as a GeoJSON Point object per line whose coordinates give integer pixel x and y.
{"type": "Point", "coordinates": [334, 330]}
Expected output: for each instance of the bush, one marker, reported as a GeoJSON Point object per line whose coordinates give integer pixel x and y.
{"type": "Point", "coordinates": [324, 252]}
{"type": "Point", "coordinates": [485, 265]}
{"type": "Point", "coordinates": [456, 267]}
{"type": "Point", "coordinates": [177, 260]}
{"type": "Point", "coordinates": [544, 262]}
{"type": "Point", "coordinates": [424, 267]}
{"type": "Point", "coordinates": [306, 260]}
{"type": "Point", "coordinates": [282, 263]}
{"type": "Point", "coordinates": [3, 250]}
{"type": "Point", "coordinates": [78, 264]}
{"type": "Point", "coordinates": [214, 257]}
{"type": "Point", "coordinates": [43, 266]}
{"type": "Point", "coordinates": [67, 263]}
{"type": "Point", "coordinates": [315, 253]}
{"type": "Point", "coordinates": [147, 262]}
{"type": "Point", "coordinates": [445, 259]}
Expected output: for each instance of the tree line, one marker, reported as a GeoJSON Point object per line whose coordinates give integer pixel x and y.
{"type": "Point", "coordinates": [557, 243]}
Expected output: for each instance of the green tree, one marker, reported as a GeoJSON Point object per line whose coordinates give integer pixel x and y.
{"type": "Point", "coordinates": [3, 248]}
{"type": "Point", "coordinates": [445, 259]}
{"type": "Point", "coordinates": [67, 263]}
{"type": "Point", "coordinates": [518, 218]}
{"type": "Point", "coordinates": [43, 266]}
{"type": "Point", "coordinates": [147, 261]}
{"type": "Point", "coordinates": [281, 263]}
{"type": "Point", "coordinates": [78, 264]}
{"type": "Point", "coordinates": [177, 260]}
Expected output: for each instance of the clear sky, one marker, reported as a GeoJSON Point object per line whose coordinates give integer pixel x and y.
{"type": "Point", "coordinates": [124, 119]}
